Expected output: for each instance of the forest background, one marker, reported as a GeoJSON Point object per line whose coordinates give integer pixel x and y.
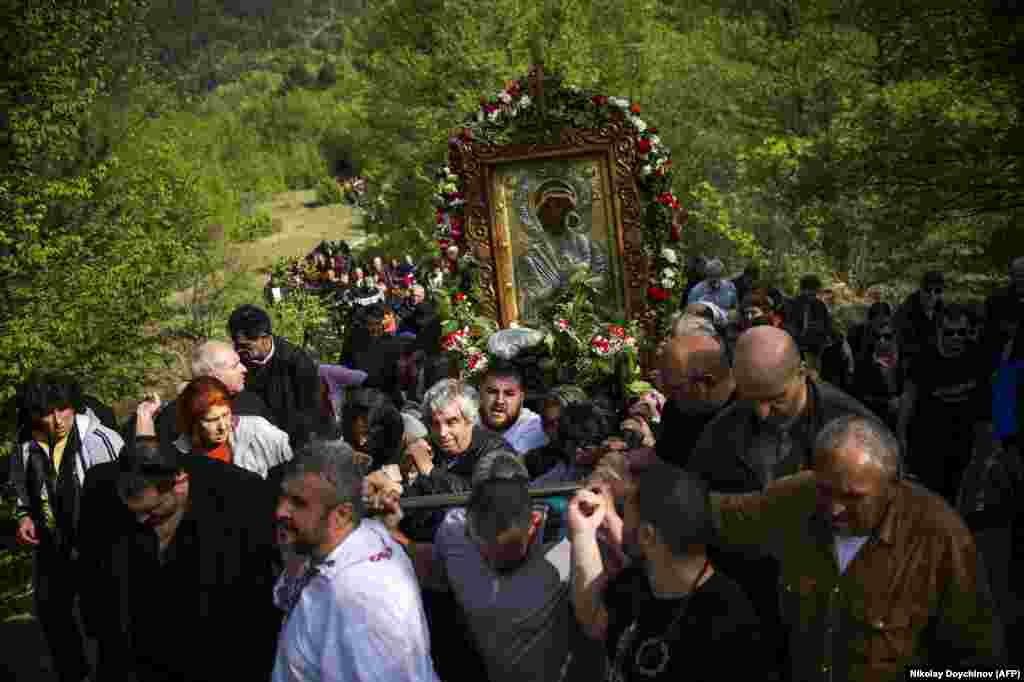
{"type": "Point", "coordinates": [862, 140]}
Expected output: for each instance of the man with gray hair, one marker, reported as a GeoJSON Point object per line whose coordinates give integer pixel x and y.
{"type": "Point", "coordinates": [714, 289]}
{"type": "Point", "coordinates": [512, 588]}
{"type": "Point", "coordinates": [219, 360]}
{"type": "Point", "coordinates": [353, 607]}
{"type": "Point", "coordinates": [878, 573]}
{"type": "Point", "coordinates": [451, 410]}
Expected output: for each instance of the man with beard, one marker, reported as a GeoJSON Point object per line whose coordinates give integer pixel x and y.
{"type": "Point", "coordinates": [946, 407]}
{"type": "Point", "coordinates": [767, 433]}
{"type": "Point", "coordinates": [352, 604]}
{"type": "Point", "coordinates": [512, 588]}
{"type": "Point", "coordinates": [878, 374]}
{"type": "Point", "coordinates": [502, 411]}
{"type": "Point", "coordinates": [878, 574]}
{"type": "Point", "coordinates": [179, 547]}
{"type": "Point", "coordinates": [671, 615]}
{"type": "Point", "coordinates": [284, 375]}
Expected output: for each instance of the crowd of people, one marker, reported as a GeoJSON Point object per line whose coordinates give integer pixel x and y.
{"type": "Point", "coordinates": [787, 503]}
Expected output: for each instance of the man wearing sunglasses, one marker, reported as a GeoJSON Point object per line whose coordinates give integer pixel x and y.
{"type": "Point", "coordinates": [946, 406]}
{"type": "Point", "coordinates": [878, 374]}
{"type": "Point", "coordinates": [917, 319]}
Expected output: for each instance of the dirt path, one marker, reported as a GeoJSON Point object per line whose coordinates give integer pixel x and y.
{"type": "Point", "coordinates": [303, 225]}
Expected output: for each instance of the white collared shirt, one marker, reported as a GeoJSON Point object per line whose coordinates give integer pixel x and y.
{"type": "Point", "coordinates": [361, 619]}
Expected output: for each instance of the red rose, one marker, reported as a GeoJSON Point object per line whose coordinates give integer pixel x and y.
{"type": "Point", "coordinates": [599, 100]}
{"type": "Point", "coordinates": [440, 216]}
{"type": "Point", "coordinates": [635, 108]}
{"type": "Point", "coordinates": [652, 131]}
{"type": "Point", "coordinates": [644, 145]}
{"type": "Point", "coordinates": [658, 294]}
{"type": "Point", "coordinates": [676, 232]}
{"type": "Point", "coordinates": [616, 330]}
{"type": "Point", "coordinates": [460, 297]}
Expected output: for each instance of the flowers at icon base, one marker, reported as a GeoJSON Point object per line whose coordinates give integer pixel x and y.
{"type": "Point", "coordinates": [659, 294]}
{"type": "Point", "coordinates": [457, 340]}
{"type": "Point", "coordinates": [669, 256]}
{"type": "Point", "coordinates": [613, 340]}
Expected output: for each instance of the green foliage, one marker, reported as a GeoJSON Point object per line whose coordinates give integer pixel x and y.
{"type": "Point", "coordinates": [256, 226]}
{"type": "Point", "coordinates": [300, 315]}
{"type": "Point", "coordinates": [329, 191]}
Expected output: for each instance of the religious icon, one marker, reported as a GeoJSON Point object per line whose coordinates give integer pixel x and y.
{"type": "Point", "coordinates": [554, 222]}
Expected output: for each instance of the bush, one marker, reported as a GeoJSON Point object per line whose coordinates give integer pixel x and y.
{"type": "Point", "coordinates": [328, 191]}
{"type": "Point", "coordinates": [254, 227]}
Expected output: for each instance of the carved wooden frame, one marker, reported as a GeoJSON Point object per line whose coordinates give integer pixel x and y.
{"type": "Point", "coordinates": [476, 164]}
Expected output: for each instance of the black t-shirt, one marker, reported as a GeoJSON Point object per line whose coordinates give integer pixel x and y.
{"type": "Point", "coordinates": [952, 389]}
{"type": "Point", "coordinates": [718, 623]}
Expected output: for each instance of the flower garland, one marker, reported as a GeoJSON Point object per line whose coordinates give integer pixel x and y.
{"type": "Point", "coordinates": [511, 115]}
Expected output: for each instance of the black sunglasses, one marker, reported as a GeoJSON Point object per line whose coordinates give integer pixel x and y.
{"type": "Point", "coordinates": [935, 290]}
{"type": "Point", "coordinates": [955, 332]}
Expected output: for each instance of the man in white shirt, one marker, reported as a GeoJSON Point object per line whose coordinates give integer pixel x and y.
{"type": "Point", "coordinates": [502, 411]}
{"type": "Point", "coordinates": [352, 602]}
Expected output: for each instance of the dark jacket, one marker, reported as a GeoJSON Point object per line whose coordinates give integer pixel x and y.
{"type": "Point", "coordinates": [809, 322]}
{"type": "Point", "coordinates": [726, 459]}
{"type": "Point", "coordinates": [233, 623]}
{"type": "Point", "coordinates": [914, 331]}
{"type": "Point", "coordinates": [290, 386]}
{"type": "Point", "coordinates": [448, 476]}
{"type": "Point", "coordinates": [723, 455]}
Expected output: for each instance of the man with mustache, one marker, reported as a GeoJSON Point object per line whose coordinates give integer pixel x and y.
{"type": "Point", "coordinates": [878, 574]}
{"type": "Point", "coordinates": [767, 433]}
{"type": "Point", "coordinates": [353, 609]}
{"type": "Point", "coordinates": [502, 411]}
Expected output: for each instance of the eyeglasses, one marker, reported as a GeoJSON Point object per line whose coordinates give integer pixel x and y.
{"type": "Point", "coordinates": [935, 291]}
{"type": "Point", "coordinates": [958, 333]}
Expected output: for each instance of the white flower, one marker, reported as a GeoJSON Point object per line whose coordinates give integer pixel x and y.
{"type": "Point", "coordinates": [619, 102]}
{"type": "Point", "coordinates": [457, 202]}
{"type": "Point", "coordinates": [504, 97]}
{"type": "Point", "coordinates": [480, 116]}
{"type": "Point", "coordinates": [446, 171]}
{"type": "Point", "coordinates": [637, 123]}
{"type": "Point", "coordinates": [668, 284]}
{"type": "Point", "coordinates": [645, 171]}
{"type": "Point", "coordinates": [493, 116]}
{"type": "Point", "coordinates": [669, 255]}
{"type": "Point", "coordinates": [655, 141]}
{"type": "Point", "coordinates": [668, 273]}
{"type": "Point", "coordinates": [525, 101]}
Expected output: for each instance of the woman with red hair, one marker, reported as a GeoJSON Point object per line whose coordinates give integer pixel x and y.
{"type": "Point", "coordinates": [208, 427]}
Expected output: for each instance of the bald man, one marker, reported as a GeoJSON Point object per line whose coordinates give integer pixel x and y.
{"type": "Point", "coordinates": [767, 433]}
{"type": "Point", "coordinates": [879, 574]}
{"type": "Point", "coordinates": [698, 384]}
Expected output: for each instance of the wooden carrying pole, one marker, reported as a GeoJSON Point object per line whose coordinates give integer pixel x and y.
{"type": "Point", "coordinates": [460, 499]}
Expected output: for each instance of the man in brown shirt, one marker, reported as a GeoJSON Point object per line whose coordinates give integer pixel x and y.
{"type": "Point", "coordinates": [877, 573]}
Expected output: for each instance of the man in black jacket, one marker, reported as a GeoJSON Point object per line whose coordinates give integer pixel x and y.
{"type": "Point", "coordinates": [766, 434]}
{"type": "Point", "coordinates": [179, 555]}
{"type": "Point", "coordinates": [284, 375]}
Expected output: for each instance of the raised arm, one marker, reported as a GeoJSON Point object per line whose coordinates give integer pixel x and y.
{"type": "Point", "coordinates": [586, 513]}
